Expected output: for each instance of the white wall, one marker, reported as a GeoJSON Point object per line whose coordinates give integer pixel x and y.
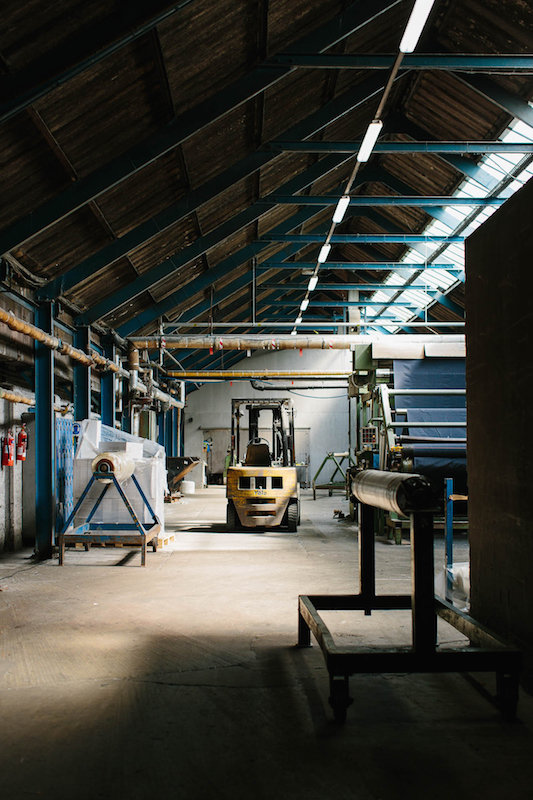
{"type": "Point", "coordinates": [325, 411]}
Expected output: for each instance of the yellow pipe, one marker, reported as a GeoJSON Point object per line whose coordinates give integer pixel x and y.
{"type": "Point", "coordinates": [221, 374]}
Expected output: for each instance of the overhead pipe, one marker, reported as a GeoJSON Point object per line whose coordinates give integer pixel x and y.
{"type": "Point", "coordinates": [54, 343]}
{"type": "Point", "coordinates": [14, 397]}
{"type": "Point", "coordinates": [277, 342]}
{"type": "Point", "coordinates": [93, 360]}
{"type": "Point", "coordinates": [264, 387]}
{"type": "Point", "coordinates": [256, 342]}
{"type": "Point", "coordinates": [233, 374]}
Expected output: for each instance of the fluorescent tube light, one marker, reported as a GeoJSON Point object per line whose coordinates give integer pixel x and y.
{"type": "Point", "coordinates": [293, 332]}
{"type": "Point", "coordinates": [415, 25]}
{"type": "Point", "coordinates": [298, 320]}
{"type": "Point", "coordinates": [304, 304]}
{"type": "Point", "coordinates": [324, 253]}
{"type": "Point", "coordinates": [340, 210]}
{"type": "Point", "coordinates": [369, 140]}
{"type": "Point", "coordinates": [312, 283]}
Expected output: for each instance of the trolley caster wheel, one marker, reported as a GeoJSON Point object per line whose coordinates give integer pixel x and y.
{"type": "Point", "coordinates": [339, 698]}
{"type": "Point", "coordinates": [155, 543]}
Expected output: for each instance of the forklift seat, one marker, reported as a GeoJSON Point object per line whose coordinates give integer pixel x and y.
{"type": "Point", "coordinates": [258, 454]}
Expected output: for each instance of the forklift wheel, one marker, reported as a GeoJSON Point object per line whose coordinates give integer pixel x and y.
{"type": "Point", "coordinates": [232, 521]}
{"type": "Point", "coordinates": [293, 514]}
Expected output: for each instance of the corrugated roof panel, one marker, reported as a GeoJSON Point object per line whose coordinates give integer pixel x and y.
{"type": "Point", "coordinates": [291, 21]}
{"type": "Point", "coordinates": [108, 108]}
{"type": "Point", "coordinates": [92, 290]}
{"type": "Point", "coordinates": [35, 28]}
{"type": "Point", "coordinates": [493, 26]}
{"type": "Point", "coordinates": [69, 242]}
{"type": "Point", "coordinates": [168, 244]}
{"type": "Point", "coordinates": [294, 98]}
{"type": "Point", "coordinates": [29, 170]}
{"type": "Point", "coordinates": [449, 109]}
{"type": "Point", "coordinates": [280, 170]}
{"type": "Point", "coordinates": [226, 205]}
{"type": "Point", "coordinates": [145, 194]}
{"type": "Point", "coordinates": [209, 152]}
{"type": "Point", "coordinates": [128, 310]}
{"type": "Point", "coordinates": [205, 47]}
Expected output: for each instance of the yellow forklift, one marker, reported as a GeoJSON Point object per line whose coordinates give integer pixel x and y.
{"type": "Point", "coordinates": [262, 485]}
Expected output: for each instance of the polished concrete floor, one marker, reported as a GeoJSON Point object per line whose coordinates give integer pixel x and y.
{"type": "Point", "coordinates": [182, 680]}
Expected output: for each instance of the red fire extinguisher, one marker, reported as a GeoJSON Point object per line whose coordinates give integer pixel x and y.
{"type": "Point", "coordinates": [22, 444]}
{"type": "Point", "coordinates": [8, 450]}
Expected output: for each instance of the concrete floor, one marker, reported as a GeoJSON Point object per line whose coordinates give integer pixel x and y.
{"type": "Point", "coordinates": [181, 680]}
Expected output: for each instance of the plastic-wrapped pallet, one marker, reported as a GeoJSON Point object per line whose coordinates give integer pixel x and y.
{"type": "Point", "coordinates": [150, 472]}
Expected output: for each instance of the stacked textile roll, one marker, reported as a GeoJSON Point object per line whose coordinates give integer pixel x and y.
{"type": "Point", "coordinates": [120, 464]}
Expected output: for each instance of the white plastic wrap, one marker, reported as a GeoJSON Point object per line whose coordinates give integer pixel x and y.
{"type": "Point", "coordinates": [95, 440]}
{"type": "Point", "coordinates": [120, 464]}
{"type": "Point", "coordinates": [460, 573]}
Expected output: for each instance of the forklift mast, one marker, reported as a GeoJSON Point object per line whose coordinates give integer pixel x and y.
{"type": "Point", "coordinates": [282, 449]}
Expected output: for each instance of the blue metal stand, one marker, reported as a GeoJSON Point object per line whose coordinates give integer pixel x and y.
{"type": "Point", "coordinates": [134, 532]}
{"type": "Point", "coordinates": [448, 532]}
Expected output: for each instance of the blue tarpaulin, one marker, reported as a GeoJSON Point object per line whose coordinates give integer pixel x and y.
{"type": "Point", "coordinates": [434, 373]}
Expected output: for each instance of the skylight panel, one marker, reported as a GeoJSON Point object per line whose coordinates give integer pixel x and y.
{"type": "Point", "coordinates": [519, 127]}
{"type": "Point", "coordinates": [499, 166]}
{"type": "Point", "coordinates": [458, 211]}
{"type": "Point", "coordinates": [403, 313]}
{"type": "Point", "coordinates": [412, 296]}
{"type": "Point", "coordinates": [495, 169]}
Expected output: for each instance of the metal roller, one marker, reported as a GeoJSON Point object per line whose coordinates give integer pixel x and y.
{"type": "Point", "coordinates": [442, 450]}
{"type": "Point", "coordinates": [392, 491]}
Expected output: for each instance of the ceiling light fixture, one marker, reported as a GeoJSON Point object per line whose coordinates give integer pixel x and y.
{"type": "Point", "coordinates": [369, 140]}
{"type": "Point", "coordinates": [312, 283]}
{"type": "Point", "coordinates": [415, 25]}
{"type": "Point", "coordinates": [304, 304]}
{"type": "Point", "coordinates": [298, 320]}
{"type": "Point", "coordinates": [324, 253]}
{"type": "Point", "coordinates": [293, 332]}
{"type": "Point", "coordinates": [340, 210]}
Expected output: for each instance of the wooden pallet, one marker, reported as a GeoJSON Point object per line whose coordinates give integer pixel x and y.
{"type": "Point", "coordinates": [165, 539]}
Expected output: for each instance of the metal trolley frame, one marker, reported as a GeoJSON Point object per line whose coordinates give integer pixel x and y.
{"type": "Point", "coordinates": [486, 652]}
{"type": "Point", "coordinates": [135, 532]}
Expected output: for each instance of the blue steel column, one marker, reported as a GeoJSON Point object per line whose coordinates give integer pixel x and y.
{"type": "Point", "coordinates": [126, 410]}
{"type": "Point", "coordinates": [108, 388]}
{"type": "Point", "coordinates": [168, 432]}
{"type": "Point", "coordinates": [82, 376]}
{"type": "Point", "coordinates": [174, 433]}
{"type": "Point", "coordinates": [161, 427]}
{"type": "Point", "coordinates": [45, 466]}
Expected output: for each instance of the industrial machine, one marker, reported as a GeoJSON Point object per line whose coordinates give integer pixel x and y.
{"type": "Point", "coordinates": [415, 422]}
{"type": "Point", "coordinates": [262, 485]}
